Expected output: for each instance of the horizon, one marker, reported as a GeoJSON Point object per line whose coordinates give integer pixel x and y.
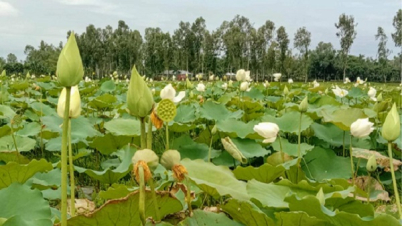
{"type": "Point", "coordinates": [22, 23]}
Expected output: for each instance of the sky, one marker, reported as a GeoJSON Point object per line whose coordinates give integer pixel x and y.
{"type": "Point", "coordinates": [27, 22]}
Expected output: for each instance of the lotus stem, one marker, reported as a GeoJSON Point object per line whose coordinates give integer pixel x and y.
{"type": "Point", "coordinates": [281, 149]}
{"type": "Point", "coordinates": [167, 135]}
{"type": "Point", "coordinates": [72, 182]}
{"type": "Point", "coordinates": [299, 140]}
{"type": "Point", "coordinates": [352, 166]}
{"type": "Point", "coordinates": [14, 140]}
{"type": "Point", "coordinates": [141, 204]}
{"type": "Point", "coordinates": [368, 187]}
{"type": "Point", "coordinates": [343, 146]}
{"type": "Point", "coordinates": [188, 196]}
{"type": "Point", "coordinates": [155, 201]}
{"type": "Point", "coordinates": [149, 134]}
{"type": "Point", "coordinates": [143, 134]}
{"type": "Point", "coordinates": [64, 140]}
{"type": "Point", "coordinates": [210, 149]}
{"type": "Point", "coordinates": [396, 193]}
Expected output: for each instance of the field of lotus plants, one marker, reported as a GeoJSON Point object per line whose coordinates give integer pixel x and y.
{"type": "Point", "coordinates": [204, 151]}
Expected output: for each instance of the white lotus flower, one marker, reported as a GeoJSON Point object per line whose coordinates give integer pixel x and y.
{"type": "Point", "coordinates": [277, 76]}
{"type": "Point", "coordinates": [244, 86]}
{"type": "Point", "coordinates": [290, 81]}
{"type": "Point", "coordinates": [241, 75]}
{"type": "Point", "coordinates": [340, 92]}
{"type": "Point", "coordinates": [75, 102]}
{"type": "Point", "coordinates": [359, 81]}
{"type": "Point", "coordinates": [361, 128]}
{"type": "Point", "coordinates": [266, 84]}
{"type": "Point", "coordinates": [87, 79]}
{"type": "Point", "coordinates": [247, 78]}
{"type": "Point", "coordinates": [211, 77]}
{"type": "Point", "coordinates": [173, 78]}
{"type": "Point", "coordinates": [224, 86]}
{"type": "Point", "coordinates": [372, 93]}
{"type": "Point", "coordinates": [33, 77]}
{"type": "Point", "coordinates": [347, 80]}
{"type": "Point", "coordinates": [200, 87]}
{"type": "Point", "coordinates": [268, 130]}
{"type": "Point", "coordinates": [170, 93]}
{"type": "Point", "coordinates": [316, 84]}
{"type": "Point", "coordinates": [153, 91]}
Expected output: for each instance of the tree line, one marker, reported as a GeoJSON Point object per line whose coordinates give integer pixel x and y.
{"type": "Point", "coordinates": [235, 44]}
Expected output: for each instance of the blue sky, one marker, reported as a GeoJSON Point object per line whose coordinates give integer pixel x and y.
{"type": "Point", "coordinates": [27, 22]}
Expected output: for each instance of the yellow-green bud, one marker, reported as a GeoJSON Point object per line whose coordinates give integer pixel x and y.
{"type": "Point", "coordinates": [214, 129]}
{"type": "Point", "coordinates": [139, 97]}
{"type": "Point", "coordinates": [28, 76]}
{"type": "Point", "coordinates": [191, 94]}
{"type": "Point", "coordinates": [286, 90]}
{"type": "Point", "coordinates": [371, 165]}
{"type": "Point", "coordinates": [320, 196]}
{"type": "Point", "coordinates": [170, 158]}
{"type": "Point", "coordinates": [189, 84]}
{"type": "Point", "coordinates": [147, 156]}
{"type": "Point", "coordinates": [69, 66]}
{"type": "Point", "coordinates": [303, 105]}
{"type": "Point", "coordinates": [392, 125]}
{"type": "Point", "coordinates": [3, 73]}
{"type": "Point", "coordinates": [379, 97]}
{"type": "Point", "coordinates": [233, 150]}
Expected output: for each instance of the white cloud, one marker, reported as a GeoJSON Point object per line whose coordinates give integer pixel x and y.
{"type": "Point", "coordinates": [6, 9]}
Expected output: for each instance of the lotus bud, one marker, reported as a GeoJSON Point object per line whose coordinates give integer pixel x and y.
{"type": "Point", "coordinates": [214, 130]}
{"type": "Point", "coordinates": [392, 125]}
{"type": "Point", "coordinates": [191, 94]}
{"type": "Point", "coordinates": [230, 83]}
{"type": "Point", "coordinates": [303, 105]}
{"type": "Point", "coordinates": [320, 196]}
{"type": "Point", "coordinates": [244, 86]}
{"type": "Point", "coordinates": [75, 103]}
{"type": "Point", "coordinates": [170, 158]}
{"type": "Point", "coordinates": [286, 91]}
{"type": "Point", "coordinates": [189, 84]}
{"type": "Point", "coordinates": [139, 97]}
{"type": "Point", "coordinates": [3, 73]}
{"type": "Point", "coordinates": [371, 165]}
{"type": "Point", "coordinates": [69, 66]}
{"type": "Point", "coordinates": [233, 150]}
{"type": "Point", "coordinates": [148, 156]}
{"type": "Point", "coordinates": [379, 97]}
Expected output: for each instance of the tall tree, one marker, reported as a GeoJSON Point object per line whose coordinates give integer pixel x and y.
{"type": "Point", "coordinates": [283, 43]}
{"type": "Point", "coordinates": [12, 58]}
{"type": "Point", "coordinates": [347, 34]}
{"type": "Point", "coordinates": [397, 35]}
{"type": "Point", "coordinates": [383, 52]}
{"type": "Point", "coordinates": [322, 61]}
{"type": "Point", "coordinates": [302, 41]}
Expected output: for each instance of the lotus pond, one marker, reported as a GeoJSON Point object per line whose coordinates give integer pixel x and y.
{"type": "Point", "coordinates": [231, 169]}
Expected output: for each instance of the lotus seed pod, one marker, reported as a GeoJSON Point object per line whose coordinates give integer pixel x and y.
{"type": "Point", "coordinates": [303, 105]}
{"type": "Point", "coordinates": [69, 65]}
{"type": "Point", "coordinates": [392, 125]}
{"type": "Point", "coordinates": [179, 172]}
{"type": "Point", "coordinates": [147, 156]}
{"type": "Point", "coordinates": [170, 158]}
{"type": "Point", "coordinates": [320, 196]}
{"type": "Point", "coordinates": [166, 110]}
{"type": "Point", "coordinates": [371, 165]}
{"type": "Point", "coordinates": [147, 172]}
{"type": "Point", "coordinates": [233, 150]}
